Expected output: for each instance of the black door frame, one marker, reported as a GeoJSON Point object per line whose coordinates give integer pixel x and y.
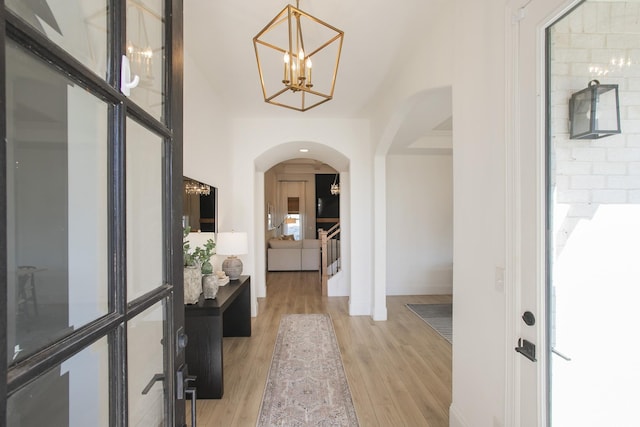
{"type": "Point", "coordinates": [113, 324]}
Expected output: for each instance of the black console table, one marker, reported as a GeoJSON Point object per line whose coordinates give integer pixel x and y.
{"type": "Point", "coordinates": [206, 322]}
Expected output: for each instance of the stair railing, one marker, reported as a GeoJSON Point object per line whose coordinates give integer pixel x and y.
{"type": "Point", "coordinates": [330, 250]}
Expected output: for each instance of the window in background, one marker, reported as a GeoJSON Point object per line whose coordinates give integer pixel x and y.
{"type": "Point", "coordinates": [293, 222]}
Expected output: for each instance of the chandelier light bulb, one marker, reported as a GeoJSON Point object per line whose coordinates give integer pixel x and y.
{"type": "Point", "coordinates": [286, 79]}
{"type": "Point", "coordinates": [302, 74]}
{"type": "Point", "coordinates": [309, 64]}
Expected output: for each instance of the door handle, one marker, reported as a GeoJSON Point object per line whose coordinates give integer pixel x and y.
{"type": "Point", "coordinates": [191, 391]}
{"type": "Point", "coordinates": [527, 349]}
{"type": "Point", "coordinates": [182, 340]}
{"type": "Point", "coordinates": [182, 383]}
{"type": "Point", "coordinates": [557, 353]}
{"type": "Point", "coordinates": [528, 318]}
{"type": "Point", "coordinates": [156, 377]}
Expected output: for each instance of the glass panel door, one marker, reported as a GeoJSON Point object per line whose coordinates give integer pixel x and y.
{"type": "Point", "coordinates": [73, 393]}
{"type": "Point", "coordinates": [92, 210]}
{"type": "Point", "coordinates": [147, 367]}
{"type": "Point", "coordinates": [594, 215]}
{"type": "Point", "coordinates": [57, 197]}
{"type": "Point", "coordinates": [77, 26]}
{"type": "Point", "coordinates": [146, 53]}
{"type": "Point", "coordinates": [145, 252]}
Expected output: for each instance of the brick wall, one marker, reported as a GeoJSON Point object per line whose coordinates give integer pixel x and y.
{"type": "Point", "coordinates": [599, 40]}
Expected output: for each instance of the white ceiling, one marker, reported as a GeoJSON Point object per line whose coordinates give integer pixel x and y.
{"type": "Point", "coordinates": [219, 40]}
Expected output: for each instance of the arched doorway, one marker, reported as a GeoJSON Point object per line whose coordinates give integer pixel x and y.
{"type": "Point", "coordinates": [285, 174]}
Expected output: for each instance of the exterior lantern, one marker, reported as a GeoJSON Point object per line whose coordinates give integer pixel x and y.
{"type": "Point", "coordinates": [594, 112]}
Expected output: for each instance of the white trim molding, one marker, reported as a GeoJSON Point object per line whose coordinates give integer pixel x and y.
{"type": "Point", "coordinates": [456, 419]}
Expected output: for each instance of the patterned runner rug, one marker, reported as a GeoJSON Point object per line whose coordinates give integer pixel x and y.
{"type": "Point", "coordinates": [438, 316]}
{"type": "Point", "coordinates": [306, 385]}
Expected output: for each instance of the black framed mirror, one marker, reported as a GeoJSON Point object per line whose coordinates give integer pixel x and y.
{"type": "Point", "coordinates": [200, 207]}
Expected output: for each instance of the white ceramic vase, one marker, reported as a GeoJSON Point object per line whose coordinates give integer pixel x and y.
{"type": "Point", "coordinates": [192, 284]}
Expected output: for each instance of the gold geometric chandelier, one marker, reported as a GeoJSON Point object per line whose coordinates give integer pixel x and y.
{"type": "Point", "coordinates": [298, 57]}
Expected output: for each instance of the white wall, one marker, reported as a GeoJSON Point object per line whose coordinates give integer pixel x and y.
{"type": "Point", "coordinates": [252, 138]}
{"type": "Point", "coordinates": [425, 65]}
{"type": "Point", "coordinates": [419, 225]}
{"type": "Point", "coordinates": [207, 148]}
{"type": "Point", "coordinates": [222, 153]}
{"type": "Point", "coordinates": [422, 66]}
{"type": "Point", "coordinates": [206, 144]}
{"type": "Point", "coordinates": [479, 113]}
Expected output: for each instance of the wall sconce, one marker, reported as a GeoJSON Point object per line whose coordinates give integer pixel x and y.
{"type": "Point", "coordinates": [594, 112]}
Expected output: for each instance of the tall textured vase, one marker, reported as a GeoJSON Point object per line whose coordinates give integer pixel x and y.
{"type": "Point", "coordinates": [209, 286]}
{"type": "Point", "coordinates": [192, 284]}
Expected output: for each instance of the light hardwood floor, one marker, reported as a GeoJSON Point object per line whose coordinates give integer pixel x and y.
{"type": "Point", "coordinates": [399, 370]}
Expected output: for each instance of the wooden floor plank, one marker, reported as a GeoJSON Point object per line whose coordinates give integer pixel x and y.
{"type": "Point", "coordinates": [399, 370]}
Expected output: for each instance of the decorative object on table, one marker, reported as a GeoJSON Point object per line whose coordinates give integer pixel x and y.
{"type": "Point", "coordinates": [438, 316]}
{"type": "Point", "coordinates": [232, 244]}
{"type": "Point", "coordinates": [287, 49]}
{"type": "Point", "coordinates": [209, 286]}
{"type": "Point", "coordinates": [306, 384]}
{"type": "Point", "coordinates": [196, 263]}
{"type": "Point", "coordinates": [594, 112]}
{"type": "Point", "coordinates": [223, 279]}
{"type": "Point", "coordinates": [204, 247]}
{"type": "Point", "coordinates": [192, 284]}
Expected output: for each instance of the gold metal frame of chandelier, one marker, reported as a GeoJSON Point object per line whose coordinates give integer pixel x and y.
{"type": "Point", "coordinates": [285, 16]}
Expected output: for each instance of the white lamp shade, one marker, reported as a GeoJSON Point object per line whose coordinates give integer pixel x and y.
{"type": "Point", "coordinates": [199, 239]}
{"type": "Point", "coordinates": [232, 243]}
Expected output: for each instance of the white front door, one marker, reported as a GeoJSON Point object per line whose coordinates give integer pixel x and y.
{"type": "Point", "coordinates": [527, 399]}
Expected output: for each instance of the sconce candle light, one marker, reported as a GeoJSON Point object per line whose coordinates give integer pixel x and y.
{"type": "Point", "coordinates": [594, 112]}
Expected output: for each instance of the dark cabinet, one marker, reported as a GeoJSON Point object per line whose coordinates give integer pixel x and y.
{"type": "Point", "coordinates": [206, 323]}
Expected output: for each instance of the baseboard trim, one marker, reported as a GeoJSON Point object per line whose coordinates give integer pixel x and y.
{"type": "Point", "coordinates": [455, 418]}
{"type": "Point", "coordinates": [380, 313]}
{"type": "Point", "coordinates": [358, 308]}
{"type": "Point", "coordinates": [421, 290]}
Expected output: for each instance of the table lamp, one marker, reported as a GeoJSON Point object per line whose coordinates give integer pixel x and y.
{"type": "Point", "coordinates": [232, 244]}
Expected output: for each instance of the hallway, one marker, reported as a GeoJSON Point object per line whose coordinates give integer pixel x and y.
{"type": "Point", "coordinates": [399, 371]}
